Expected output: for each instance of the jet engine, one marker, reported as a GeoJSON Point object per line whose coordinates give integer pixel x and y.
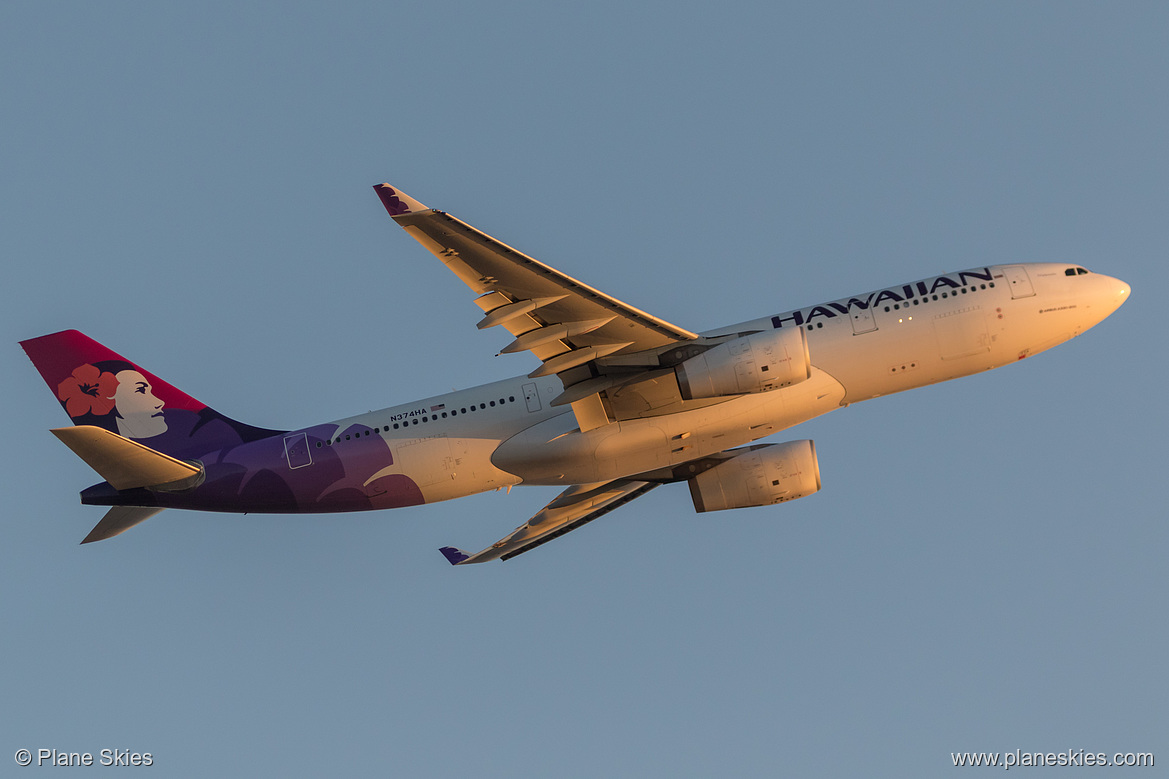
{"type": "Point", "coordinates": [760, 476]}
{"type": "Point", "coordinates": [753, 363]}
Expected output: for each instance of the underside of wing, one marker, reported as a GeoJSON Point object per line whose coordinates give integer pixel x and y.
{"type": "Point", "coordinates": [576, 506]}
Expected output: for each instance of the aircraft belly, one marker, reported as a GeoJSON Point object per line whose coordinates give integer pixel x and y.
{"type": "Point", "coordinates": [261, 477]}
{"type": "Point", "coordinates": [446, 468]}
{"type": "Point", "coordinates": [363, 471]}
{"type": "Point", "coordinates": [556, 452]}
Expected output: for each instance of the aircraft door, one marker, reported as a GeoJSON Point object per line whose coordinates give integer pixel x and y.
{"type": "Point", "coordinates": [862, 320]}
{"type": "Point", "coordinates": [1019, 280]}
{"type": "Point", "coordinates": [532, 397]}
{"type": "Point", "coordinates": [297, 451]}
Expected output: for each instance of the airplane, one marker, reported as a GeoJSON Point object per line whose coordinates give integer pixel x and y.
{"type": "Point", "coordinates": [620, 403]}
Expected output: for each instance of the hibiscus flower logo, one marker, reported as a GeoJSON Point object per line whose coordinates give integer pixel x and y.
{"type": "Point", "coordinates": [88, 391]}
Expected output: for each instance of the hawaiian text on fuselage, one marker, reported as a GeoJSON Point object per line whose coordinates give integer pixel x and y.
{"type": "Point", "coordinates": [899, 295]}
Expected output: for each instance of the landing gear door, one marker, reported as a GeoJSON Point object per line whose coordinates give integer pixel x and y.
{"type": "Point", "coordinates": [532, 397]}
{"type": "Point", "coordinates": [862, 320]}
{"type": "Point", "coordinates": [1019, 280]}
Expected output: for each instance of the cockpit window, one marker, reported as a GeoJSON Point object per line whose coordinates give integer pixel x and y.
{"type": "Point", "coordinates": [1070, 272]}
{"type": "Point", "coordinates": [1081, 271]}
{"type": "Point", "coordinates": [1075, 272]}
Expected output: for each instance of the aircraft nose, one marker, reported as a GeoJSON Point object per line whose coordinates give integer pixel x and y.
{"type": "Point", "coordinates": [1120, 292]}
{"type": "Point", "coordinates": [1109, 294]}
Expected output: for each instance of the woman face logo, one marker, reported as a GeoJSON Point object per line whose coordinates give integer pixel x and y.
{"type": "Point", "coordinates": [139, 411]}
{"type": "Point", "coordinates": [91, 393]}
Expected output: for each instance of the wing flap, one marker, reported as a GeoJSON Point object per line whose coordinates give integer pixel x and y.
{"type": "Point", "coordinates": [573, 508]}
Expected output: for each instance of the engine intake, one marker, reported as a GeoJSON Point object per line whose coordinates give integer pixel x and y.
{"type": "Point", "coordinates": [759, 362]}
{"type": "Point", "coordinates": [761, 476]}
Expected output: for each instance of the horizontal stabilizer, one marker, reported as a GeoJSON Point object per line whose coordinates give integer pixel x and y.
{"type": "Point", "coordinates": [125, 464]}
{"type": "Point", "coordinates": [118, 520]}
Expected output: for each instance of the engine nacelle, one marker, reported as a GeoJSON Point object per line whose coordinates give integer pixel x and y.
{"type": "Point", "coordinates": [754, 363]}
{"type": "Point", "coordinates": [760, 476]}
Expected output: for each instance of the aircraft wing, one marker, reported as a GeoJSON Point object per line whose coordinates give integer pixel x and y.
{"type": "Point", "coordinates": [576, 506]}
{"type": "Point", "coordinates": [562, 321]}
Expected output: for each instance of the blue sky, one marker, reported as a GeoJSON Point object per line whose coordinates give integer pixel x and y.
{"type": "Point", "coordinates": [983, 570]}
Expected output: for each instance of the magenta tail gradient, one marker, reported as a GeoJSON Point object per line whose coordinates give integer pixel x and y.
{"type": "Point", "coordinates": [97, 386]}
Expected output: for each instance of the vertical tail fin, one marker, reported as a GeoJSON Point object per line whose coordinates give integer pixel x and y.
{"type": "Point", "coordinates": [96, 386]}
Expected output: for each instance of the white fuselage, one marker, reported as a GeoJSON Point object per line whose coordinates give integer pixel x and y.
{"type": "Point", "coordinates": [887, 341]}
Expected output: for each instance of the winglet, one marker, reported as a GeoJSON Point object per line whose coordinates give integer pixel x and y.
{"type": "Point", "coordinates": [454, 556]}
{"type": "Point", "coordinates": [398, 203]}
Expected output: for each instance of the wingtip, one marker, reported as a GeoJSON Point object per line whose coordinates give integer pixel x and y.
{"type": "Point", "coordinates": [397, 203]}
{"type": "Point", "coordinates": [454, 556]}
